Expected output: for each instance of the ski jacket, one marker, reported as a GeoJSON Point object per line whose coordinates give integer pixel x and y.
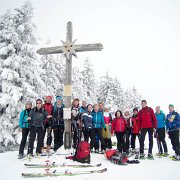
{"type": "Point", "coordinates": [38, 117]}
{"type": "Point", "coordinates": [135, 128]}
{"type": "Point", "coordinates": [171, 126]}
{"type": "Point", "coordinates": [57, 119]}
{"type": "Point", "coordinates": [75, 114]}
{"type": "Point", "coordinates": [23, 122]}
{"type": "Point", "coordinates": [146, 118]}
{"type": "Point", "coordinates": [161, 120]}
{"type": "Point", "coordinates": [87, 120]}
{"type": "Point", "coordinates": [82, 109]}
{"type": "Point", "coordinates": [49, 108]}
{"type": "Point", "coordinates": [119, 124]}
{"type": "Point", "coordinates": [98, 120]}
{"type": "Point", "coordinates": [127, 119]}
{"type": "Point", "coordinates": [107, 118]}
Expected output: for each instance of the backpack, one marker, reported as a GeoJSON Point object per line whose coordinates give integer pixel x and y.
{"type": "Point", "coordinates": [82, 153]}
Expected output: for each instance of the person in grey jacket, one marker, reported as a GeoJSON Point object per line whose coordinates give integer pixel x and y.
{"type": "Point", "coordinates": [37, 118]}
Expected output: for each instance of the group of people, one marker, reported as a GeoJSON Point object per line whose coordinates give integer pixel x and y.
{"type": "Point", "coordinates": [95, 124]}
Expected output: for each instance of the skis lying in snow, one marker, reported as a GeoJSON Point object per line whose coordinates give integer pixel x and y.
{"type": "Point", "coordinates": [54, 164]}
{"type": "Point", "coordinates": [66, 173]}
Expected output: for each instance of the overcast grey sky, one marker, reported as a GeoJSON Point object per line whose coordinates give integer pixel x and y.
{"type": "Point", "coordinates": [141, 40]}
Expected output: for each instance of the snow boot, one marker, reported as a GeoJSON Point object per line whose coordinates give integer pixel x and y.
{"type": "Point", "coordinates": [150, 156]}
{"type": "Point", "coordinates": [142, 156]}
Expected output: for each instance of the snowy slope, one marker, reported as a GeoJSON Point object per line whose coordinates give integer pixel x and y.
{"type": "Point", "coordinates": [161, 168]}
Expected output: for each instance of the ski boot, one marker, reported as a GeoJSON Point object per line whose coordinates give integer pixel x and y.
{"type": "Point", "coordinates": [20, 156]}
{"type": "Point", "coordinates": [150, 156]}
{"type": "Point", "coordinates": [142, 156]}
{"type": "Point", "coordinates": [165, 154]}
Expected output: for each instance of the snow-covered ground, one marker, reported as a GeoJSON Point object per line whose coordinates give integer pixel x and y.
{"type": "Point", "coordinates": [159, 169]}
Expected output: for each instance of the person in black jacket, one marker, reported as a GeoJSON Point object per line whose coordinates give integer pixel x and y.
{"type": "Point", "coordinates": [37, 118]}
{"type": "Point", "coordinates": [58, 123]}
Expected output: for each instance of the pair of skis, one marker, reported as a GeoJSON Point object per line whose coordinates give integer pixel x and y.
{"type": "Point", "coordinates": [48, 164]}
{"type": "Point", "coordinates": [66, 173]}
{"type": "Point", "coordinates": [49, 172]}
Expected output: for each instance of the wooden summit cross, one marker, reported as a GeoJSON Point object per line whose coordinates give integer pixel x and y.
{"type": "Point", "coordinates": [68, 50]}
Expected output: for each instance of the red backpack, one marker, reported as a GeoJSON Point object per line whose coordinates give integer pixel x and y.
{"type": "Point", "coordinates": [82, 152]}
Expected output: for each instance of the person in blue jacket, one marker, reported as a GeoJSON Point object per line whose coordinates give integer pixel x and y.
{"type": "Point", "coordinates": [98, 124]}
{"type": "Point", "coordinates": [88, 130]}
{"type": "Point", "coordinates": [24, 125]}
{"type": "Point", "coordinates": [161, 131]}
{"type": "Point", "coordinates": [173, 125]}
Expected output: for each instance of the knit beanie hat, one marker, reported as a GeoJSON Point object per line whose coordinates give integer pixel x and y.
{"type": "Point", "coordinates": [58, 98]}
{"type": "Point", "coordinates": [171, 105]}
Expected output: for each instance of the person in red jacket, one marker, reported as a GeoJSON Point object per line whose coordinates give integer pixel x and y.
{"type": "Point", "coordinates": [135, 128]}
{"type": "Point", "coordinates": [49, 108]}
{"type": "Point", "coordinates": [119, 126]}
{"type": "Point", "coordinates": [146, 123]}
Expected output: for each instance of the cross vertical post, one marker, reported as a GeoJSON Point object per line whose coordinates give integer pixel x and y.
{"type": "Point", "coordinates": [68, 91]}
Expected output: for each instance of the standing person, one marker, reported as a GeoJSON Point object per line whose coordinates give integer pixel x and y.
{"type": "Point", "coordinates": [83, 108]}
{"type": "Point", "coordinates": [107, 134]}
{"type": "Point", "coordinates": [161, 131]}
{"type": "Point", "coordinates": [58, 123]}
{"type": "Point", "coordinates": [23, 123]}
{"type": "Point", "coordinates": [101, 108]}
{"type": "Point", "coordinates": [97, 141]}
{"type": "Point", "coordinates": [49, 108]}
{"type": "Point", "coordinates": [98, 124]}
{"type": "Point", "coordinates": [146, 123]}
{"type": "Point", "coordinates": [128, 129]}
{"type": "Point", "coordinates": [88, 126]}
{"type": "Point", "coordinates": [173, 125]}
{"type": "Point", "coordinates": [135, 129]}
{"type": "Point", "coordinates": [76, 122]}
{"type": "Point", "coordinates": [119, 127]}
{"type": "Point", "coordinates": [37, 119]}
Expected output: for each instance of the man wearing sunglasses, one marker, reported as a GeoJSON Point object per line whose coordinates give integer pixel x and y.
{"type": "Point", "coordinates": [37, 119]}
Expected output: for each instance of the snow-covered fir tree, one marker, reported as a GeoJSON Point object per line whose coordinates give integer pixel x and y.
{"type": "Point", "coordinates": [103, 89]}
{"type": "Point", "coordinates": [77, 80]}
{"type": "Point", "coordinates": [132, 99]}
{"type": "Point", "coordinates": [89, 82]}
{"type": "Point", "coordinates": [54, 73]}
{"type": "Point", "coordinates": [19, 70]}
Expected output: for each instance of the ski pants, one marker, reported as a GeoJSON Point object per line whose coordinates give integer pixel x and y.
{"type": "Point", "coordinates": [142, 139]}
{"type": "Point", "coordinates": [98, 131]}
{"type": "Point", "coordinates": [121, 145]}
{"type": "Point", "coordinates": [89, 133]}
{"type": "Point", "coordinates": [58, 137]}
{"type": "Point", "coordinates": [133, 140]}
{"type": "Point", "coordinates": [39, 131]}
{"type": "Point", "coordinates": [161, 140]}
{"type": "Point", "coordinates": [127, 136]}
{"type": "Point", "coordinates": [174, 136]}
{"type": "Point", "coordinates": [48, 129]}
{"type": "Point", "coordinates": [25, 132]}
